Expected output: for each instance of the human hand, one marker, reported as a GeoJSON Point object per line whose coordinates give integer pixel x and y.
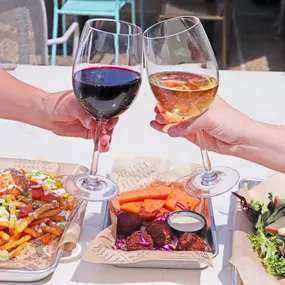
{"type": "Point", "coordinates": [225, 128]}
{"type": "Point", "coordinates": [68, 118]}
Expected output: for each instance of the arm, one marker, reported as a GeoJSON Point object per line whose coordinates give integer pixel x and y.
{"type": "Point", "coordinates": [22, 102]}
{"type": "Point", "coordinates": [265, 145]}
{"type": "Point", "coordinates": [58, 112]}
{"type": "Point", "coordinates": [230, 132]}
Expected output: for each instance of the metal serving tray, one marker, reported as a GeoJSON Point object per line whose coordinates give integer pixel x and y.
{"type": "Point", "coordinates": [19, 275]}
{"type": "Point", "coordinates": [176, 263]}
{"type": "Point", "coordinates": [247, 183]}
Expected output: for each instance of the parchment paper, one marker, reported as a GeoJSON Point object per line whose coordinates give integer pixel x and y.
{"type": "Point", "coordinates": [131, 173]}
{"type": "Point", "coordinates": [244, 259]}
{"type": "Point", "coordinates": [35, 255]}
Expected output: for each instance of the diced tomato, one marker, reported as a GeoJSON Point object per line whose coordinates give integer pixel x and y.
{"type": "Point", "coordinates": [37, 192]}
{"type": "Point", "coordinates": [48, 198]}
{"type": "Point", "coordinates": [33, 183]}
{"type": "Point", "coordinates": [271, 230]}
{"type": "Point", "coordinates": [25, 210]}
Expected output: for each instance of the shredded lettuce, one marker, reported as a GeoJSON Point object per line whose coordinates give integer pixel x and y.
{"type": "Point", "coordinates": [4, 255]}
{"type": "Point", "coordinates": [49, 182]}
{"type": "Point", "coordinates": [61, 225]}
{"type": "Point", "coordinates": [259, 206]}
{"type": "Point", "coordinates": [268, 248]}
{"type": "Point", "coordinates": [4, 214]}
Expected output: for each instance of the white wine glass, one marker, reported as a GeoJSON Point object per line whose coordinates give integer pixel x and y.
{"type": "Point", "coordinates": [184, 77]}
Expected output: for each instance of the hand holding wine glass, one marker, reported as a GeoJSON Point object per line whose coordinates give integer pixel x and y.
{"type": "Point", "coordinates": [221, 135]}
{"type": "Point", "coordinates": [106, 79]}
{"type": "Point", "coordinates": [184, 77]}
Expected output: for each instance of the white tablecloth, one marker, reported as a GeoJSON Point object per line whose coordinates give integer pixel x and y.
{"type": "Point", "coordinates": [260, 95]}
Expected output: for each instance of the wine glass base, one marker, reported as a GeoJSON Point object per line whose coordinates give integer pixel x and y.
{"type": "Point", "coordinates": [103, 188]}
{"type": "Point", "coordinates": [226, 178]}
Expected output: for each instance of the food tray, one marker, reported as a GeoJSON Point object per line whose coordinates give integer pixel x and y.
{"type": "Point", "coordinates": [18, 275]}
{"type": "Point", "coordinates": [176, 263]}
{"type": "Point", "coordinates": [247, 183]}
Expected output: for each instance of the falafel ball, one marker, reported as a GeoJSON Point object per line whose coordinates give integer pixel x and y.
{"type": "Point", "coordinates": [140, 240]}
{"type": "Point", "coordinates": [128, 223]}
{"type": "Point", "coordinates": [160, 232]}
{"type": "Point", "coordinates": [191, 242]}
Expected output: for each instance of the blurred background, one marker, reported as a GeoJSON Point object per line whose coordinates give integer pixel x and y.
{"type": "Point", "coordinates": [245, 34]}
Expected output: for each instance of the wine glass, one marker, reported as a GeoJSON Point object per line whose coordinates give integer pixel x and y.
{"type": "Point", "coordinates": [106, 80]}
{"type": "Point", "coordinates": [184, 78]}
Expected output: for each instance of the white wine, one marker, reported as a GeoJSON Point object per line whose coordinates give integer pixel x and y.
{"type": "Point", "coordinates": [183, 93]}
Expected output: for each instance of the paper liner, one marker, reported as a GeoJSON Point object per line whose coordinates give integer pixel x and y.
{"type": "Point", "coordinates": [244, 259]}
{"type": "Point", "coordinates": [35, 255]}
{"type": "Point", "coordinates": [132, 173]}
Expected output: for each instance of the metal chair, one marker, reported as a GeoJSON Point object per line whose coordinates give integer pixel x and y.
{"type": "Point", "coordinates": [23, 33]}
{"type": "Point", "coordinates": [106, 8]}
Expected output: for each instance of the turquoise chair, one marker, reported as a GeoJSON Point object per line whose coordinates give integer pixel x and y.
{"type": "Point", "coordinates": [107, 8]}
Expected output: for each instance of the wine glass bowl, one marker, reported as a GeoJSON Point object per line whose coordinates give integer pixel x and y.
{"type": "Point", "coordinates": [106, 80]}
{"type": "Point", "coordinates": [184, 77]}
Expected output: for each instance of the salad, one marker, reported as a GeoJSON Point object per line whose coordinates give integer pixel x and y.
{"type": "Point", "coordinates": [268, 237]}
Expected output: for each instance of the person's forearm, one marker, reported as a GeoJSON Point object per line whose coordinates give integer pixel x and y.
{"type": "Point", "coordinates": [265, 145]}
{"type": "Point", "coordinates": [22, 102]}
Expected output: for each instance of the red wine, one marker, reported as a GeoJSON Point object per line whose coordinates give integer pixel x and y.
{"type": "Point", "coordinates": [106, 92]}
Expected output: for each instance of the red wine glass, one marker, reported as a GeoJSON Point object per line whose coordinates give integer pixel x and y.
{"type": "Point", "coordinates": [106, 80]}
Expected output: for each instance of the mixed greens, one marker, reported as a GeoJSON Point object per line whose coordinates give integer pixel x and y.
{"type": "Point", "coordinates": [268, 238]}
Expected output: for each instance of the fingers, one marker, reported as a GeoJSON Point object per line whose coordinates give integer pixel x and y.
{"type": "Point", "coordinates": [111, 124]}
{"type": "Point", "coordinates": [159, 109]}
{"type": "Point", "coordinates": [167, 118]}
{"type": "Point", "coordinates": [88, 121]}
{"type": "Point", "coordinates": [160, 127]}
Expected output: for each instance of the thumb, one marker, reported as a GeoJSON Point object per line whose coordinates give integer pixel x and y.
{"type": "Point", "coordinates": [185, 127]}
{"type": "Point", "coordinates": [88, 121]}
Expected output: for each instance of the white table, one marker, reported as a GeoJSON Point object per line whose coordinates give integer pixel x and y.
{"type": "Point", "coordinates": [258, 94]}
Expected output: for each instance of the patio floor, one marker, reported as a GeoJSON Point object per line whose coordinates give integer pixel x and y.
{"type": "Point", "coordinates": [254, 44]}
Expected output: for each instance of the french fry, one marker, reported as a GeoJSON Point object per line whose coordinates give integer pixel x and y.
{"type": "Point", "coordinates": [18, 249]}
{"type": "Point", "coordinates": [53, 237]}
{"type": "Point", "coordinates": [4, 224]}
{"type": "Point", "coordinates": [50, 213]}
{"type": "Point", "coordinates": [4, 236]}
{"type": "Point", "coordinates": [46, 237]}
{"type": "Point", "coordinates": [12, 210]}
{"type": "Point", "coordinates": [16, 236]}
{"type": "Point", "coordinates": [52, 230]}
{"type": "Point", "coordinates": [24, 199]}
{"type": "Point", "coordinates": [39, 221]}
{"type": "Point", "coordinates": [31, 232]}
{"type": "Point", "coordinates": [71, 200]}
{"type": "Point", "coordinates": [33, 217]}
{"type": "Point", "coordinates": [63, 203]}
{"type": "Point", "coordinates": [57, 218]}
{"type": "Point", "coordinates": [2, 241]}
{"type": "Point", "coordinates": [13, 243]}
{"type": "Point", "coordinates": [19, 204]}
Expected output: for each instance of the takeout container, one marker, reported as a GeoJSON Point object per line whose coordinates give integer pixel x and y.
{"type": "Point", "coordinates": [43, 260]}
{"type": "Point", "coordinates": [247, 267]}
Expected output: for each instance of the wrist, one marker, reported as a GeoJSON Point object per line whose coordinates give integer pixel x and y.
{"type": "Point", "coordinates": [248, 139]}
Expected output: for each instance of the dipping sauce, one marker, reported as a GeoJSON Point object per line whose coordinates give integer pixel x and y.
{"type": "Point", "coordinates": [187, 221]}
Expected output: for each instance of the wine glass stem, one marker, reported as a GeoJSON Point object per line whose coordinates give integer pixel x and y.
{"type": "Point", "coordinates": [95, 159]}
{"type": "Point", "coordinates": [210, 177]}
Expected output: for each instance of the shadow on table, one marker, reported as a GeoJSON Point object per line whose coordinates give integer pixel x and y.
{"type": "Point", "coordinates": [225, 234]}
{"type": "Point", "coordinates": [107, 274]}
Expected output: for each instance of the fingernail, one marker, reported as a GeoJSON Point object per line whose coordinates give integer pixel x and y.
{"type": "Point", "coordinates": [90, 122]}
{"type": "Point", "coordinates": [172, 132]}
